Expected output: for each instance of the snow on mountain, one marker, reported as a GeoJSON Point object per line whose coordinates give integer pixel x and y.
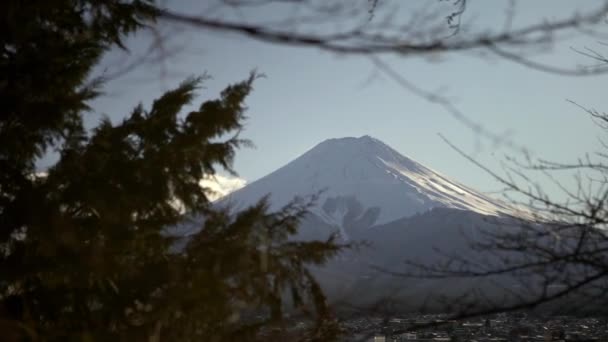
{"type": "Point", "coordinates": [219, 186]}
{"type": "Point", "coordinates": [364, 182]}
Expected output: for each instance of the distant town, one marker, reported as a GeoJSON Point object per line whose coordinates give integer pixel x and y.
{"type": "Point", "coordinates": [517, 327]}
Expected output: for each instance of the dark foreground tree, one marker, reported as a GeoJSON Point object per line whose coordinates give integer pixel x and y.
{"type": "Point", "coordinates": [87, 251]}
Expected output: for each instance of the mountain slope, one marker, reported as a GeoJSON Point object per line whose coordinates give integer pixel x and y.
{"type": "Point", "coordinates": [404, 212]}
{"type": "Point", "coordinates": [363, 182]}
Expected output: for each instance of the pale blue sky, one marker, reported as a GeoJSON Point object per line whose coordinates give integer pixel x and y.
{"type": "Point", "coordinates": [310, 95]}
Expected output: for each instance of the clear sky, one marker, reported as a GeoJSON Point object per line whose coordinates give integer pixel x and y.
{"type": "Point", "coordinates": [309, 95]}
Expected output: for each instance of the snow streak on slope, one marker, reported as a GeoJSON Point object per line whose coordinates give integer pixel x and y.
{"type": "Point", "coordinates": [219, 186]}
{"type": "Point", "coordinates": [364, 182]}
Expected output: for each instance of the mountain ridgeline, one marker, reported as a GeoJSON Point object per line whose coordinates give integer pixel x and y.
{"type": "Point", "coordinates": [408, 223]}
{"type": "Point", "coordinates": [398, 208]}
{"type": "Point", "coordinates": [362, 182]}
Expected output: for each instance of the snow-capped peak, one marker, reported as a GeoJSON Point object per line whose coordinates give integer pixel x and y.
{"type": "Point", "coordinates": [364, 182]}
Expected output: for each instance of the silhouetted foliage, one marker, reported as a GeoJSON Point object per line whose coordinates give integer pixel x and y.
{"type": "Point", "coordinates": [86, 247]}
{"type": "Point", "coordinates": [383, 27]}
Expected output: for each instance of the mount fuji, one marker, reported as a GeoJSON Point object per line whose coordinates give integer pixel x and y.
{"type": "Point", "coordinates": [405, 214]}
{"type": "Point", "coordinates": [362, 182]}
{"type": "Point", "coordinates": [368, 192]}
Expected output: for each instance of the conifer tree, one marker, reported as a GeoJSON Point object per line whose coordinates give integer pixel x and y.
{"type": "Point", "coordinates": [86, 252]}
